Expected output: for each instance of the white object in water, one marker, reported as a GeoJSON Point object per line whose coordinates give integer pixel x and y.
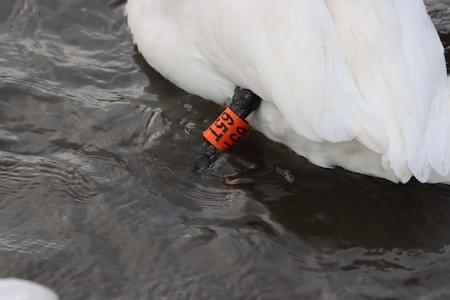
{"type": "Point", "coordinates": [356, 84]}
{"type": "Point", "coordinates": [18, 289]}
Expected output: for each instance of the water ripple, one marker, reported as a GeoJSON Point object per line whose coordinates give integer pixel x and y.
{"type": "Point", "coordinates": [20, 244]}
{"type": "Point", "coordinates": [20, 175]}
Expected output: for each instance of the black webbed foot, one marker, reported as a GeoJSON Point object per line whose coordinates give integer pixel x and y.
{"type": "Point", "coordinates": [205, 157]}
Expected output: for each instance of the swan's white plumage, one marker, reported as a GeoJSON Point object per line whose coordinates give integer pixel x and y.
{"type": "Point", "coordinates": [359, 84]}
{"type": "Point", "coordinates": [18, 289]}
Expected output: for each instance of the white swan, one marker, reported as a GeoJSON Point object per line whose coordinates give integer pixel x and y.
{"type": "Point", "coordinates": [359, 84]}
{"type": "Point", "coordinates": [18, 289]}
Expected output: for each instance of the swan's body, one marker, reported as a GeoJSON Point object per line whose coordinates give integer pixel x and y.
{"type": "Point", "coordinates": [359, 84]}
{"type": "Point", "coordinates": [18, 289]}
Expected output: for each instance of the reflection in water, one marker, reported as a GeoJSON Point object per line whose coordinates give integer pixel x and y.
{"type": "Point", "coordinates": [98, 201]}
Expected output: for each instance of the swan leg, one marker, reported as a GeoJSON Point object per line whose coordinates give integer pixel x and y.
{"type": "Point", "coordinates": [244, 102]}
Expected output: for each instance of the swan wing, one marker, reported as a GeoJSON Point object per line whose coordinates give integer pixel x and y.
{"type": "Point", "coordinates": [397, 61]}
{"type": "Point", "coordinates": [287, 52]}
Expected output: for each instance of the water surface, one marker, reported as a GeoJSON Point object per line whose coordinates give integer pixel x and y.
{"type": "Point", "coordinates": [97, 200]}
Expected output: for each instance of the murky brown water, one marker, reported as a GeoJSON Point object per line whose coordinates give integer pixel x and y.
{"type": "Point", "coordinates": [97, 200]}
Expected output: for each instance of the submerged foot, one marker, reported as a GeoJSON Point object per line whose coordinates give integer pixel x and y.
{"type": "Point", "coordinates": [228, 129]}
{"type": "Point", "coordinates": [207, 155]}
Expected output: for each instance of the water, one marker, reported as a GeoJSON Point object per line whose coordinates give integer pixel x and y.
{"type": "Point", "coordinates": [97, 200]}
